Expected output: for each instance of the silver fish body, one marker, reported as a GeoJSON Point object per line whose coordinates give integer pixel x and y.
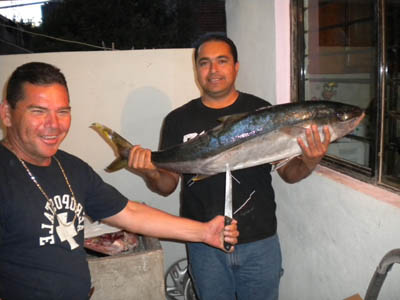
{"type": "Point", "coordinates": [267, 135]}
{"type": "Point", "coordinates": [264, 136]}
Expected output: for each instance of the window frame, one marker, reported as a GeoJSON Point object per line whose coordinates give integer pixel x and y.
{"type": "Point", "coordinates": [373, 175]}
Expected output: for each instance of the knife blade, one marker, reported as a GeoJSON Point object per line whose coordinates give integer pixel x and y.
{"type": "Point", "coordinates": [228, 202]}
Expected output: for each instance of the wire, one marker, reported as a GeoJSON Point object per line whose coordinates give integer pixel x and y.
{"type": "Point", "coordinates": [14, 45]}
{"type": "Point", "coordinates": [25, 4]}
{"type": "Point", "coordinates": [55, 38]}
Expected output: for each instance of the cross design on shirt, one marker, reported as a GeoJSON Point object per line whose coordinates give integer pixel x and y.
{"type": "Point", "coordinates": [66, 231]}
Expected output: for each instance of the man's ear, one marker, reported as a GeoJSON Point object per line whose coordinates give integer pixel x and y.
{"type": "Point", "coordinates": [237, 66]}
{"type": "Point", "coordinates": [5, 113]}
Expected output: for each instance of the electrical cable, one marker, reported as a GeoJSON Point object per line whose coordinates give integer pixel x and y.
{"type": "Point", "coordinates": [24, 4]}
{"type": "Point", "coordinates": [14, 45]}
{"type": "Point", "coordinates": [57, 39]}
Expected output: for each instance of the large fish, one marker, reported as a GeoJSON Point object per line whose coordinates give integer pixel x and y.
{"type": "Point", "coordinates": [267, 135]}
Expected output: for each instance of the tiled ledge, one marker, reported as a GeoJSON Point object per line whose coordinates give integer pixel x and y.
{"type": "Point", "coordinates": [363, 187]}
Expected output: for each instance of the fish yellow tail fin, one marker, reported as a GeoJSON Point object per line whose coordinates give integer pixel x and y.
{"type": "Point", "coordinates": [116, 165]}
{"type": "Point", "coordinates": [120, 146]}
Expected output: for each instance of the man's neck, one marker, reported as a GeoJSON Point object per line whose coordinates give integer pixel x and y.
{"type": "Point", "coordinates": [44, 162]}
{"type": "Point", "coordinates": [220, 102]}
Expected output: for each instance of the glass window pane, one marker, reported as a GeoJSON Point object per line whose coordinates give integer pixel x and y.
{"type": "Point", "coordinates": [340, 65]}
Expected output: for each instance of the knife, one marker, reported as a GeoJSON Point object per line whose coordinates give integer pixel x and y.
{"type": "Point", "coordinates": [228, 202]}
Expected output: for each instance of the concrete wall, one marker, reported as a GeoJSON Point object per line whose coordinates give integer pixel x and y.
{"type": "Point", "coordinates": [129, 91]}
{"type": "Point", "coordinates": [333, 229]}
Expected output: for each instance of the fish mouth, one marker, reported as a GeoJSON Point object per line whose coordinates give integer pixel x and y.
{"type": "Point", "coordinates": [358, 120]}
{"type": "Point", "coordinates": [355, 122]}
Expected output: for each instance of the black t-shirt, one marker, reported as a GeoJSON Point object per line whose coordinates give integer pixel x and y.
{"type": "Point", "coordinates": [253, 195]}
{"type": "Point", "coordinates": [40, 258]}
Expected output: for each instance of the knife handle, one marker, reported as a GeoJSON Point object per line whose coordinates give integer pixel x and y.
{"type": "Point", "coordinates": [228, 221]}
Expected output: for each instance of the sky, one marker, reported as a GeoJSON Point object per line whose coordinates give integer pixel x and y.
{"type": "Point", "coordinates": [27, 13]}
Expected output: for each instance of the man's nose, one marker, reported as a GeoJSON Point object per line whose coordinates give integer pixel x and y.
{"type": "Point", "coordinates": [52, 120]}
{"type": "Point", "coordinates": [213, 66]}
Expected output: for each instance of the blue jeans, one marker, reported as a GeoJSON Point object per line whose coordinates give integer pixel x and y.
{"type": "Point", "coordinates": [251, 272]}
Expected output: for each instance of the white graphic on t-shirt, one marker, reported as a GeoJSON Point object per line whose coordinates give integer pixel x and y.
{"type": "Point", "coordinates": [245, 202]}
{"type": "Point", "coordinates": [65, 231]}
{"type": "Point", "coordinates": [190, 136]}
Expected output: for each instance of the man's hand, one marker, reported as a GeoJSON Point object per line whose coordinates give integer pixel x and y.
{"type": "Point", "coordinates": [160, 181]}
{"type": "Point", "coordinates": [217, 233]}
{"type": "Point", "coordinates": [140, 160]}
{"type": "Point", "coordinates": [312, 153]}
{"type": "Point", "coordinates": [316, 149]}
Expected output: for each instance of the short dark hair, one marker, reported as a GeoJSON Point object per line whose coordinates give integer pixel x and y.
{"type": "Point", "coordinates": [215, 36]}
{"type": "Point", "coordinates": [36, 73]}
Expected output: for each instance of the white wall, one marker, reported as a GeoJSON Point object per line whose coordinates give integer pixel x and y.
{"type": "Point", "coordinates": [333, 238]}
{"type": "Point", "coordinates": [333, 232]}
{"type": "Point", "coordinates": [129, 91]}
{"type": "Point", "coordinates": [250, 24]}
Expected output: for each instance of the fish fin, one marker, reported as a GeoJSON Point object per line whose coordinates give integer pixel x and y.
{"type": "Point", "coordinates": [236, 117]}
{"type": "Point", "coordinates": [196, 178]}
{"type": "Point", "coordinates": [119, 144]}
{"type": "Point", "coordinates": [199, 177]}
{"type": "Point", "coordinates": [116, 165]}
{"type": "Point", "coordinates": [226, 120]}
{"type": "Point", "coordinates": [264, 108]}
{"type": "Point", "coordinates": [110, 136]}
{"type": "Point", "coordinates": [232, 118]}
{"type": "Point", "coordinates": [294, 131]}
{"type": "Point", "coordinates": [280, 163]}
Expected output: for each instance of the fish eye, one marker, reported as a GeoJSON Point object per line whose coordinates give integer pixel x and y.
{"type": "Point", "coordinates": [342, 116]}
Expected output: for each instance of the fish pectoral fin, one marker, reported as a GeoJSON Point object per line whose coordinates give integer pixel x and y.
{"type": "Point", "coordinates": [280, 163]}
{"type": "Point", "coordinates": [294, 131]}
{"type": "Point", "coordinates": [116, 165]}
{"type": "Point", "coordinates": [199, 177]}
{"type": "Point", "coordinates": [196, 178]}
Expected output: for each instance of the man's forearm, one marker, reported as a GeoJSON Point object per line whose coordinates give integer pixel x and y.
{"type": "Point", "coordinates": [143, 219]}
{"type": "Point", "coordinates": [162, 182]}
{"type": "Point", "coordinates": [146, 220]}
{"type": "Point", "coordinates": [295, 170]}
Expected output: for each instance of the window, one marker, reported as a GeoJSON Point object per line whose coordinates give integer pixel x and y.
{"type": "Point", "coordinates": [348, 51]}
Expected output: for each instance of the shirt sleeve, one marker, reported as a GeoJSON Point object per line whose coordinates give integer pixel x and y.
{"type": "Point", "coordinates": [169, 136]}
{"type": "Point", "coordinates": [103, 200]}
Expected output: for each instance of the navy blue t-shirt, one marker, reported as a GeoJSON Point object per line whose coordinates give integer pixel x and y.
{"type": "Point", "coordinates": [40, 256]}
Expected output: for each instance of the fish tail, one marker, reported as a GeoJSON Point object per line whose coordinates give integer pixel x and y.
{"type": "Point", "coordinates": [119, 144]}
{"type": "Point", "coordinates": [116, 165]}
